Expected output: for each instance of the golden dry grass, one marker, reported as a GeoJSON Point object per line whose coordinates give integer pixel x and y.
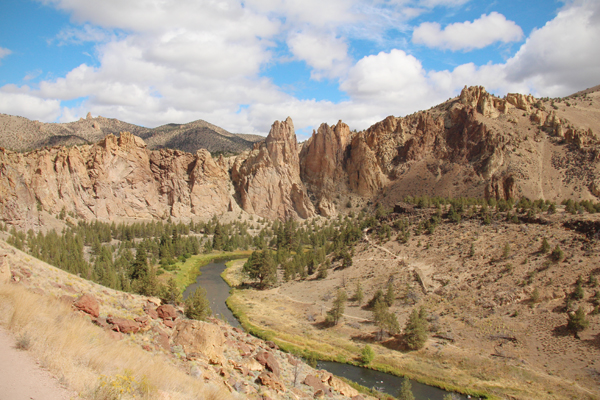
{"type": "Point", "coordinates": [86, 359]}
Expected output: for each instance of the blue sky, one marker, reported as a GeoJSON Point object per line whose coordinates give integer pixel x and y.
{"type": "Point", "coordinates": [243, 64]}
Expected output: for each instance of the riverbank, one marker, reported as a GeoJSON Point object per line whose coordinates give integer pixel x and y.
{"type": "Point", "coordinates": [273, 316]}
{"type": "Point", "coordinates": [185, 273]}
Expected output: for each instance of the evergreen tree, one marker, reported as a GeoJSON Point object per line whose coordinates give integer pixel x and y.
{"type": "Point", "coordinates": [415, 331]}
{"type": "Point", "coordinates": [359, 295]}
{"type": "Point", "coordinates": [385, 320]}
{"type": "Point", "coordinates": [337, 310]}
{"type": "Point", "coordinates": [261, 266]}
{"type": "Point", "coordinates": [545, 247]}
{"type": "Point", "coordinates": [405, 392]}
{"type": "Point", "coordinates": [557, 254]}
{"type": "Point", "coordinates": [139, 268]}
{"type": "Point", "coordinates": [170, 293]}
{"type": "Point", "coordinates": [577, 322]}
{"type": "Point", "coordinates": [390, 296]}
{"type": "Point", "coordinates": [197, 305]}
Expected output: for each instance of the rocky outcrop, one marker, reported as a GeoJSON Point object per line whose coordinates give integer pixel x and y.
{"type": "Point", "coordinates": [268, 180]}
{"type": "Point", "coordinates": [200, 337]}
{"type": "Point", "coordinates": [116, 178]}
{"type": "Point", "coordinates": [322, 164]}
{"type": "Point", "coordinates": [486, 104]}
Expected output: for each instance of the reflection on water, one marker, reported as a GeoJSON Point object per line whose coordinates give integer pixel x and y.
{"type": "Point", "coordinates": [217, 290]}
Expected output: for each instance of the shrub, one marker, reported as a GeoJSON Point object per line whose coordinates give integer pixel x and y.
{"type": "Point", "coordinates": [367, 355]}
{"type": "Point", "coordinates": [557, 254]}
{"type": "Point", "coordinates": [405, 392]}
{"type": "Point", "coordinates": [197, 305]}
{"type": "Point", "coordinates": [545, 247]}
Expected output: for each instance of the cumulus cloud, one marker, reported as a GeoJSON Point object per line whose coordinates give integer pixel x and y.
{"type": "Point", "coordinates": [18, 101]}
{"type": "Point", "coordinates": [327, 55]}
{"type": "Point", "coordinates": [161, 61]}
{"type": "Point", "coordinates": [4, 52]}
{"type": "Point", "coordinates": [482, 32]}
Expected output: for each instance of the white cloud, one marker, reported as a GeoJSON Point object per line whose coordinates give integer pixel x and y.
{"type": "Point", "coordinates": [482, 32]}
{"type": "Point", "coordinates": [178, 61]}
{"type": "Point", "coordinates": [4, 52]}
{"type": "Point", "coordinates": [18, 101]}
{"type": "Point", "coordinates": [564, 55]}
{"type": "Point", "coordinates": [87, 33]}
{"type": "Point", "coordinates": [327, 55]}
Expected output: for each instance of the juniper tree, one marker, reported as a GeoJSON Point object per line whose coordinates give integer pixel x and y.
{"type": "Point", "coordinates": [545, 247]}
{"type": "Point", "coordinates": [577, 322]}
{"type": "Point", "coordinates": [415, 331]}
{"type": "Point", "coordinates": [405, 392]}
{"type": "Point", "coordinates": [359, 295]}
{"type": "Point", "coordinates": [197, 305]}
{"type": "Point", "coordinates": [337, 310]}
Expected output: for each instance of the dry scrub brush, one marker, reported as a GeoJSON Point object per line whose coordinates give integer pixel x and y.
{"type": "Point", "coordinates": [86, 359]}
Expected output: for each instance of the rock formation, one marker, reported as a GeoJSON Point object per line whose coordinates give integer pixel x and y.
{"type": "Point", "coordinates": [268, 180]}
{"type": "Point", "coordinates": [474, 145]}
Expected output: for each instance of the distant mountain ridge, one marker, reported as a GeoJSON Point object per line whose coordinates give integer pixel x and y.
{"type": "Point", "coordinates": [21, 134]}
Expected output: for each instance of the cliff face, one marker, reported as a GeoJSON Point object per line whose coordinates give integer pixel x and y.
{"type": "Point", "coordinates": [116, 178]}
{"type": "Point", "coordinates": [474, 145]}
{"type": "Point", "coordinates": [267, 180]}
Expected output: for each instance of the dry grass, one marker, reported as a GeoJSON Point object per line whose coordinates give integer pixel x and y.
{"type": "Point", "coordinates": [87, 360]}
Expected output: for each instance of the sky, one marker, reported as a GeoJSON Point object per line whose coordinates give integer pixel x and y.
{"type": "Point", "coordinates": [242, 64]}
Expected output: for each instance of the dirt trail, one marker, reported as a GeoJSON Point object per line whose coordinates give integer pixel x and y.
{"type": "Point", "coordinates": [21, 378]}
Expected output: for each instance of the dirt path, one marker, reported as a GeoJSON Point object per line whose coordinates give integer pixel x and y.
{"type": "Point", "coordinates": [21, 378]}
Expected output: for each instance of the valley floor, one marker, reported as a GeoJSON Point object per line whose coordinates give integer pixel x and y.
{"type": "Point", "coordinates": [489, 336]}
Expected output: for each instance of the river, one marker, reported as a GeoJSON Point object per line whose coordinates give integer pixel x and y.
{"type": "Point", "coordinates": [217, 291]}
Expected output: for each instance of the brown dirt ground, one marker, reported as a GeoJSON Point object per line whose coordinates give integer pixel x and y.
{"type": "Point", "coordinates": [475, 300]}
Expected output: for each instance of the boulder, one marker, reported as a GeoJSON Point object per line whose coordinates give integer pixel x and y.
{"type": "Point", "coordinates": [270, 380]}
{"type": "Point", "coordinates": [200, 337]}
{"type": "Point", "coordinates": [88, 304]}
{"type": "Point", "coordinates": [342, 387]}
{"type": "Point", "coordinates": [316, 384]}
{"type": "Point", "coordinates": [167, 311]}
{"type": "Point", "coordinates": [269, 361]}
{"type": "Point", "coordinates": [123, 325]}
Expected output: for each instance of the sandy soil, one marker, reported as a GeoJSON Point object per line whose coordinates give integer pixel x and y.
{"type": "Point", "coordinates": [22, 378]}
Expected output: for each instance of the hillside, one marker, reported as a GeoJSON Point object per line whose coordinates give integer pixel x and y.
{"type": "Point", "coordinates": [497, 305]}
{"type": "Point", "coordinates": [101, 342]}
{"type": "Point", "coordinates": [22, 134]}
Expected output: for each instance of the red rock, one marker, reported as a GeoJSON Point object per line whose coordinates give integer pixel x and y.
{"type": "Point", "coordinates": [316, 383]}
{"type": "Point", "coordinates": [167, 311]}
{"type": "Point", "coordinates": [268, 361]}
{"type": "Point", "coordinates": [168, 323]}
{"type": "Point", "coordinates": [269, 380]}
{"type": "Point", "coordinates": [359, 397]}
{"type": "Point", "coordinates": [88, 304]}
{"type": "Point", "coordinates": [146, 347]}
{"type": "Point", "coordinates": [272, 345]}
{"type": "Point", "coordinates": [124, 325]}
{"type": "Point", "coordinates": [162, 338]}
{"type": "Point", "coordinates": [151, 311]}
{"type": "Point", "coordinates": [101, 322]}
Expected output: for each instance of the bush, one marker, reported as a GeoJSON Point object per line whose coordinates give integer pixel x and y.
{"type": "Point", "coordinates": [367, 355]}
{"type": "Point", "coordinates": [545, 247]}
{"type": "Point", "coordinates": [557, 254]}
{"type": "Point", "coordinates": [197, 305]}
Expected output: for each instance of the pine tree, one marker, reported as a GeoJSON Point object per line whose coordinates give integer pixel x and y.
{"type": "Point", "coordinates": [545, 247]}
{"type": "Point", "coordinates": [197, 305]}
{"type": "Point", "coordinates": [415, 331]}
{"type": "Point", "coordinates": [577, 322]}
{"type": "Point", "coordinates": [385, 320]}
{"type": "Point", "coordinates": [359, 295]}
{"type": "Point", "coordinates": [405, 392]}
{"type": "Point", "coordinates": [390, 296]}
{"type": "Point", "coordinates": [339, 305]}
